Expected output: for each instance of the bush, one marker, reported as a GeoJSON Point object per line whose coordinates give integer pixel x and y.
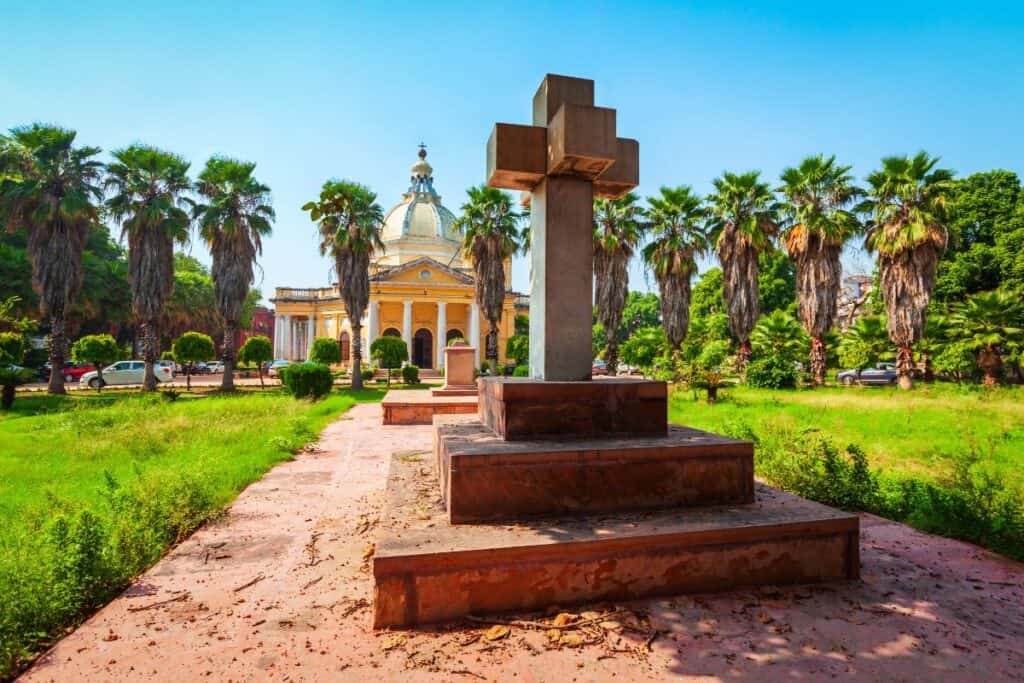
{"type": "Point", "coordinates": [389, 352]}
{"type": "Point", "coordinates": [772, 372]}
{"type": "Point", "coordinates": [303, 380]}
{"type": "Point", "coordinates": [325, 351]}
{"type": "Point", "coordinates": [367, 371]}
{"type": "Point", "coordinates": [521, 371]}
{"type": "Point", "coordinates": [411, 374]}
{"type": "Point", "coordinates": [485, 367]}
{"type": "Point", "coordinates": [257, 350]}
{"type": "Point", "coordinates": [517, 348]}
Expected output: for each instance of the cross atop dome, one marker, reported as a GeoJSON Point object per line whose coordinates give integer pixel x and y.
{"type": "Point", "coordinates": [423, 151]}
{"type": "Point", "coordinates": [422, 181]}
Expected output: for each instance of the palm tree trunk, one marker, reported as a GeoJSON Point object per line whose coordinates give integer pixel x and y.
{"type": "Point", "coordinates": [990, 363]}
{"type": "Point", "coordinates": [357, 355]}
{"type": "Point", "coordinates": [929, 371]}
{"type": "Point", "coordinates": [611, 356]}
{"type": "Point", "coordinates": [227, 382]}
{"type": "Point", "coordinates": [492, 346]}
{"type": "Point", "coordinates": [905, 367]}
{"type": "Point", "coordinates": [743, 357]}
{"type": "Point", "coordinates": [818, 361]}
{"type": "Point", "coordinates": [149, 355]}
{"type": "Point", "coordinates": [7, 399]}
{"type": "Point", "coordinates": [58, 342]}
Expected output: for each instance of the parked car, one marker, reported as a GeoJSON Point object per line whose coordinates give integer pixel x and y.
{"type": "Point", "coordinates": [599, 368]}
{"type": "Point", "coordinates": [882, 373]}
{"type": "Point", "coordinates": [275, 366]}
{"type": "Point", "coordinates": [168, 364]}
{"type": "Point", "coordinates": [72, 371]}
{"type": "Point", "coordinates": [124, 372]}
{"type": "Point", "coordinates": [215, 366]}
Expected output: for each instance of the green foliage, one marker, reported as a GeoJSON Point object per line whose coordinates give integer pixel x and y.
{"type": "Point", "coordinates": [522, 324]}
{"type": "Point", "coordinates": [956, 360]}
{"type": "Point", "coordinates": [780, 335]}
{"type": "Point", "coordinates": [485, 367]}
{"type": "Point", "coordinates": [193, 347]}
{"type": "Point", "coordinates": [12, 348]}
{"type": "Point", "coordinates": [776, 282]}
{"type": "Point", "coordinates": [411, 374]}
{"type": "Point", "coordinates": [306, 380]}
{"type": "Point", "coordinates": [772, 372]}
{"type": "Point", "coordinates": [325, 351]}
{"type": "Point", "coordinates": [389, 352]}
{"type": "Point", "coordinates": [256, 350]}
{"type": "Point", "coordinates": [865, 343]}
{"type": "Point", "coordinates": [644, 347]}
{"type": "Point", "coordinates": [517, 348]}
{"type": "Point", "coordinates": [707, 294]}
{"type": "Point", "coordinates": [98, 350]}
{"type": "Point", "coordinates": [708, 370]}
{"type": "Point", "coordinates": [521, 371]}
{"type": "Point", "coordinates": [164, 355]}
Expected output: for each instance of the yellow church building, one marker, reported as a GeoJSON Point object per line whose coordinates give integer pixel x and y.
{"type": "Point", "coordinates": [421, 289]}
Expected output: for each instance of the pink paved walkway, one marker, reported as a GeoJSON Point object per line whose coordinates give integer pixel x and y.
{"type": "Point", "coordinates": [278, 590]}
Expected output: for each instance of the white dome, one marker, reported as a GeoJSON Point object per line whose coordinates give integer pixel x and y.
{"type": "Point", "coordinates": [420, 214]}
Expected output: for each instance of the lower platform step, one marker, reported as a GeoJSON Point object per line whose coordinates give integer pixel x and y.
{"type": "Point", "coordinates": [418, 406]}
{"type": "Point", "coordinates": [427, 570]}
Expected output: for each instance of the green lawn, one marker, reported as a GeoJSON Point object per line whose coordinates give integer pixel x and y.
{"type": "Point", "coordinates": [918, 432]}
{"type": "Point", "coordinates": [94, 488]}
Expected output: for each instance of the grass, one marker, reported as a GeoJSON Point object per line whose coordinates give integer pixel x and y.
{"type": "Point", "coordinates": [95, 488]}
{"type": "Point", "coordinates": [922, 433]}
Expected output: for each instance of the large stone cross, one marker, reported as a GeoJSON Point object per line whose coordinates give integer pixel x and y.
{"type": "Point", "coordinates": [569, 156]}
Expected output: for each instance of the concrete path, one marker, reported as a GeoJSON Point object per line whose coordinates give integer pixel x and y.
{"type": "Point", "coordinates": [278, 589]}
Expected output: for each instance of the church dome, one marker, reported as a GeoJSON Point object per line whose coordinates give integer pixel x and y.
{"type": "Point", "coordinates": [420, 215]}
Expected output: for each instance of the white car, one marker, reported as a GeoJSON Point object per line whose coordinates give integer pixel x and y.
{"type": "Point", "coordinates": [124, 372]}
{"type": "Point", "coordinates": [275, 366]}
{"type": "Point", "coordinates": [215, 366]}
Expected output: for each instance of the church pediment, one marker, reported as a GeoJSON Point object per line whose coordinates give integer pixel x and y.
{"type": "Point", "coordinates": [421, 271]}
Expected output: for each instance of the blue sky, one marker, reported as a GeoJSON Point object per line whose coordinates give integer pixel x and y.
{"type": "Point", "coordinates": [312, 90]}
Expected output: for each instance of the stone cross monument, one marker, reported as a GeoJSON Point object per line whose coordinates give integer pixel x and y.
{"type": "Point", "coordinates": [569, 156]}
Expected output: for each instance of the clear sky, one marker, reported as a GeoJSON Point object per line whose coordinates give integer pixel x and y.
{"type": "Point", "coordinates": [312, 90]}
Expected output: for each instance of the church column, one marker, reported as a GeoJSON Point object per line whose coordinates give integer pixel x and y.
{"type": "Point", "coordinates": [442, 333]}
{"type": "Point", "coordinates": [407, 325]}
{"type": "Point", "coordinates": [371, 325]}
{"type": "Point", "coordinates": [474, 330]}
{"type": "Point", "coordinates": [310, 334]}
{"type": "Point", "coordinates": [286, 338]}
{"type": "Point", "coordinates": [277, 336]}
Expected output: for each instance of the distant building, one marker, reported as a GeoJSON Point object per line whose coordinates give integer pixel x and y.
{"type": "Point", "coordinates": [262, 325]}
{"type": "Point", "coordinates": [421, 289]}
{"type": "Point", "coordinates": [853, 295]}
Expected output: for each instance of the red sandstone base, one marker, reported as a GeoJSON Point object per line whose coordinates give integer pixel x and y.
{"type": "Point", "coordinates": [455, 390]}
{"type": "Point", "coordinates": [518, 408]}
{"type": "Point", "coordinates": [486, 478]}
{"type": "Point", "coordinates": [418, 406]}
{"type": "Point", "coordinates": [427, 570]}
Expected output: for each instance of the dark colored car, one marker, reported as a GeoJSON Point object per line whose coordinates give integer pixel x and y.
{"type": "Point", "coordinates": [883, 373]}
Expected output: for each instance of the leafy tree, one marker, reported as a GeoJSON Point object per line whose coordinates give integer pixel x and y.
{"type": "Point", "coordinates": [644, 347]}
{"type": "Point", "coordinates": [12, 351]}
{"type": "Point", "coordinates": [776, 282]}
{"type": "Point", "coordinates": [97, 350]}
{"type": "Point", "coordinates": [990, 323]}
{"type": "Point", "coordinates": [677, 223]}
{"type": "Point", "coordinates": [708, 370]}
{"type": "Point", "coordinates": [707, 294]}
{"type": "Point", "coordinates": [907, 229]}
{"type": "Point", "coordinates": [491, 235]}
{"type": "Point", "coordinates": [257, 350]}
{"type": "Point", "coordinates": [149, 187]}
{"type": "Point", "coordinates": [617, 232]}
{"type": "Point", "coordinates": [348, 219]}
{"type": "Point", "coordinates": [518, 348]}
{"type": "Point", "coordinates": [234, 216]}
{"type": "Point", "coordinates": [193, 347]}
{"type": "Point", "coordinates": [522, 323]}
{"type": "Point", "coordinates": [865, 344]}
{"type": "Point", "coordinates": [778, 334]}
{"type": "Point", "coordinates": [325, 351]}
{"type": "Point", "coordinates": [50, 188]}
{"type": "Point", "coordinates": [744, 220]}
{"type": "Point", "coordinates": [389, 352]}
{"type": "Point", "coordinates": [819, 193]}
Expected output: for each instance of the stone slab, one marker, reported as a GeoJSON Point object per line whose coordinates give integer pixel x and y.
{"type": "Point", "coordinates": [624, 175]}
{"type": "Point", "coordinates": [418, 406]}
{"type": "Point", "coordinates": [484, 477]}
{"type": "Point", "coordinates": [426, 570]}
{"type": "Point", "coordinates": [454, 390]}
{"type": "Point", "coordinates": [516, 156]}
{"type": "Point", "coordinates": [581, 141]}
{"type": "Point", "coordinates": [520, 408]}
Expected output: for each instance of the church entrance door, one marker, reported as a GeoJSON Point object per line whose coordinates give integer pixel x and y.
{"type": "Point", "coordinates": [423, 349]}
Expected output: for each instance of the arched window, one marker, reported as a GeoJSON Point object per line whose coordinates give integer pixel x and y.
{"type": "Point", "coordinates": [391, 332]}
{"type": "Point", "coordinates": [346, 347]}
{"type": "Point", "coordinates": [453, 334]}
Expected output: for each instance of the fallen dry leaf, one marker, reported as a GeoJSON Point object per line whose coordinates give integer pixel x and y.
{"type": "Point", "coordinates": [564, 619]}
{"type": "Point", "coordinates": [368, 552]}
{"type": "Point", "coordinates": [497, 632]}
{"type": "Point", "coordinates": [570, 640]}
{"type": "Point", "coordinates": [554, 634]}
{"type": "Point", "coordinates": [611, 625]}
{"type": "Point", "coordinates": [590, 615]}
{"type": "Point", "coordinates": [393, 642]}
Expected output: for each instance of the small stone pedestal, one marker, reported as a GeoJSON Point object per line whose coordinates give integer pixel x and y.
{"type": "Point", "coordinates": [459, 364]}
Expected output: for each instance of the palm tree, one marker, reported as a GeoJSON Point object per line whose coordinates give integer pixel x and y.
{"type": "Point", "coordinates": [348, 218]}
{"type": "Point", "coordinates": [990, 322]}
{"type": "Point", "coordinates": [864, 343]}
{"type": "Point", "coordinates": [51, 188]}
{"type": "Point", "coordinates": [148, 186]}
{"type": "Point", "coordinates": [819, 193]}
{"type": "Point", "coordinates": [617, 231]}
{"type": "Point", "coordinates": [744, 220]}
{"type": "Point", "coordinates": [676, 220]}
{"type": "Point", "coordinates": [233, 218]}
{"type": "Point", "coordinates": [779, 334]}
{"type": "Point", "coordinates": [907, 229]}
{"type": "Point", "coordinates": [490, 235]}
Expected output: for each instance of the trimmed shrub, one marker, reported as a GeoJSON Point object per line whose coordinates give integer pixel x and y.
{"type": "Point", "coordinates": [521, 371]}
{"type": "Point", "coordinates": [325, 351]}
{"type": "Point", "coordinates": [411, 374]}
{"type": "Point", "coordinates": [772, 372]}
{"type": "Point", "coordinates": [303, 380]}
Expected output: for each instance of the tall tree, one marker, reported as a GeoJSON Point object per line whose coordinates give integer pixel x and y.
{"type": "Point", "coordinates": [234, 216]}
{"type": "Point", "coordinates": [677, 220]}
{"type": "Point", "coordinates": [744, 221]}
{"type": "Point", "coordinates": [819, 194]}
{"type": "Point", "coordinates": [490, 235]}
{"type": "Point", "coordinates": [51, 188]}
{"type": "Point", "coordinates": [617, 232]}
{"type": "Point", "coordinates": [348, 218]}
{"type": "Point", "coordinates": [907, 229]}
{"type": "Point", "coordinates": [148, 188]}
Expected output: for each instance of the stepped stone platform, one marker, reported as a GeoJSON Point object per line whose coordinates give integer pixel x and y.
{"type": "Point", "coordinates": [418, 406]}
{"type": "Point", "coordinates": [427, 570]}
{"type": "Point", "coordinates": [483, 477]}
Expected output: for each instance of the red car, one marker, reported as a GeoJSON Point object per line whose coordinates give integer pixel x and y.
{"type": "Point", "coordinates": [72, 371]}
